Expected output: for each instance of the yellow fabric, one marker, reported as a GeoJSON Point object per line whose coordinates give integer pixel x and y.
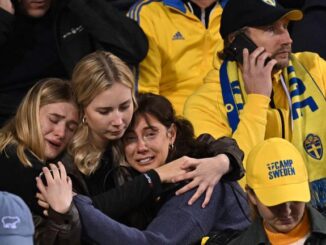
{"type": "Point", "coordinates": [204, 240]}
{"type": "Point", "coordinates": [175, 67]}
{"type": "Point", "coordinates": [205, 108]}
{"type": "Point", "coordinates": [301, 231]}
{"type": "Point", "coordinates": [277, 173]}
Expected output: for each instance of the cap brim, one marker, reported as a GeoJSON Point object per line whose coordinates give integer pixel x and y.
{"type": "Point", "coordinates": [276, 195]}
{"type": "Point", "coordinates": [14, 240]}
{"type": "Point", "coordinates": [293, 15]}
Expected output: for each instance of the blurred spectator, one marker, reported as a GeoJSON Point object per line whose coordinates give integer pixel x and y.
{"type": "Point", "coordinates": [309, 34]}
{"type": "Point", "coordinates": [278, 193]}
{"type": "Point", "coordinates": [183, 38]}
{"type": "Point", "coordinates": [46, 38]}
{"type": "Point", "coordinates": [16, 227]}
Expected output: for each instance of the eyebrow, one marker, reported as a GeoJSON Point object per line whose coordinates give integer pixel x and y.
{"type": "Point", "coordinates": [57, 115]}
{"type": "Point", "coordinates": [63, 117]}
{"type": "Point", "coordinates": [110, 107]}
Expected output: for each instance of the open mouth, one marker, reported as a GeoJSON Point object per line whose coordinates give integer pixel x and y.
{"type": "Point", "coordinates": [146, 160]}
{"type": "Point", "coordinates": [54, 144]}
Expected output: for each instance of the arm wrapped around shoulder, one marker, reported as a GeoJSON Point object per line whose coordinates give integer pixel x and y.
{"type": "Point", "coordinates": [228, 146]}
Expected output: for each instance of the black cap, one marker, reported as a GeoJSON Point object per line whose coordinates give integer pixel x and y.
{"type": "Point", "coordinates": [240, 13]}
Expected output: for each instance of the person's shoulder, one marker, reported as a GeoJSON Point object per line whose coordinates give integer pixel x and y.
{"type": "Point", "coordinates": [312, 62]}
{"type": "Point", "coordinates": [208, 90]}
{"type": "Point", "coordinates": [308, 58]}
{"type": "Point", "coordinates": [146, 8]}
{"type": "Point", "coordinates": [8, 153]}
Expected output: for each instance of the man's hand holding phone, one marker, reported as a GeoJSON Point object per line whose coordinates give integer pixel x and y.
{"type": "Point", "coordinates": [7, 6]}
{"type": "Point", "coordinates": [256, 64]}
{"type": "Point", "coordinates": [256, 75]}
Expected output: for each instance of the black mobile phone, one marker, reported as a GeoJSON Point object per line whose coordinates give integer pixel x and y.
{"type": "Point", "coordinates": [240, 42]}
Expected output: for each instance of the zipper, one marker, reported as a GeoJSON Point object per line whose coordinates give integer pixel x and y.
{"type": "Point", "coordinates": [282, 123]}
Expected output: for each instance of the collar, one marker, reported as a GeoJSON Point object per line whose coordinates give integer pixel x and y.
{"type": "Point", "coordinates": [317, 221]}
{"type": "Point", "coordinates": [179, 4]}
{"type": "Point", "coordinates": [255, 234]}
{"type": "Point", "coordinates": [276, 76]}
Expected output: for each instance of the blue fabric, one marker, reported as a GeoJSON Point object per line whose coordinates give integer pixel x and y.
{"type": "Point", "coordinates": [229, 102]}
{"type": "Point", "coordinates": [176, 222]}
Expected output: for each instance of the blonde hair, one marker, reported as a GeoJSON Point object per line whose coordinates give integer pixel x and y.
{"type": "Point", "coordinates": [92, 75]}
{"type": "Point", "coordinates": [24, 129]}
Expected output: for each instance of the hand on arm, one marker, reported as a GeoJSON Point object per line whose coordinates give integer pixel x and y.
{"type": "Point", "coordinates": [256, 75]}
{"type": "Point", "coordinates": [204, 173]}
{"type": "Point", "coordinates": [58, 191]}
{"type": "Point", "coordinates": [7, 6]}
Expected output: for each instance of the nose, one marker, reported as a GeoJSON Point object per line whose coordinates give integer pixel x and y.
{"type": "Point", "coordinates": [117, 119]}
{"type": "Point", "coordinates": [141, 145]}
{"type": "Point", "coordinates": [285, 37]}
{"type": "Point", "coordinates": [285, 209]}
{"type": "Point", "coordinates": [60, 131]}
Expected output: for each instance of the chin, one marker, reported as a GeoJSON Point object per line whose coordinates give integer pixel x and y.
{"type": "Point", "coordinates": [281, 65]}
{"type": "Point", "coordinates": [36, 13]}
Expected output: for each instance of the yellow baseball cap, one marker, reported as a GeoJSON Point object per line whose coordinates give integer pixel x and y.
{"type": "Point", "coordinates": [277, 173]}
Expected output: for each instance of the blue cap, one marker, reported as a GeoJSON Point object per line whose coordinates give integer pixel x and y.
{"type": "Point", "coordinates": [16, 225]}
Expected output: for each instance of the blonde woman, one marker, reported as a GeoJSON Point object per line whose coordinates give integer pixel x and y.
{"type": "Point", "coordinates": [39, 132]}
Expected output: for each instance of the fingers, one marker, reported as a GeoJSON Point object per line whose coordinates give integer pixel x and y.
{"type": "Point", "coordinates": [43, 204]}
{"type": "Point", "coordinates": [40, 196]}
{"type": "Point", "coordinates": [187, 187]}
{"type": "Point", "coordinates": [185, 176]}
{"type": "Point", "coordinates": [254, 55]}
{"type": "Point", "coordinates": [271, 64]}
{"type": "Point", "coordinates": [200, 190]}
{"type": "Point", "coordinates": [62, 169]}
{"type": "Point", "coordinates": [261, 59]}
{"type": "Point", "coordinates": [208, 196]}
{"type": "Point", "coordinates": [55, 171]}
{"type": "Point", "coordinates": [40, 185]}
{"type": "Point", "coordinates": [48, 175]}
{"type": "Point", "coordinates": [245, 54]}
{"type": "Point", "coordinates": [190, 163]}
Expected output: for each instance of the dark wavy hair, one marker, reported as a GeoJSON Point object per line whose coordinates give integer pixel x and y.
{"type": "Point", "coordinates": [161, 108]}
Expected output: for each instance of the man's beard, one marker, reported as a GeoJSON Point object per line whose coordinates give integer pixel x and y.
{"type": "Point", "coordinates": [281, 66]}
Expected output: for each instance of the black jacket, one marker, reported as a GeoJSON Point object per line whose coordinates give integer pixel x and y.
{"type": "Point", "coordinates": [255, 234]}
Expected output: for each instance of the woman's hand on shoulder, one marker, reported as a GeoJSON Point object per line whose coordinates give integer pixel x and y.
{"type": "Point", "coordinates": [204, 174]}
{"type": "Point", "coordinates": [57, 191]}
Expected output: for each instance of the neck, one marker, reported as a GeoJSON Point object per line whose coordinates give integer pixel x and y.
{"type": "Point", "coordinates": [99, 142]}
{"type": "Point", "coordinates": [203, 3]}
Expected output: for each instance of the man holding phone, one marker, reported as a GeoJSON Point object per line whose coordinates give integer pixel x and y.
{"type": "Point", "coordinates": [46, 38]}
{"type": "Point", "coordinates": [256, 99]}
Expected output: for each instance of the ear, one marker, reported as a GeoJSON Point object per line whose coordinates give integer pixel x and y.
{"type": "Point", "coordinates": [251, 195]}
{"type": "Point", "coordinates": [172, 133]}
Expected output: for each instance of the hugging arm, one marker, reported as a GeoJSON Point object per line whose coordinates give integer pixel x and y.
{"type": "Point", "coordinates": [224, 161]}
